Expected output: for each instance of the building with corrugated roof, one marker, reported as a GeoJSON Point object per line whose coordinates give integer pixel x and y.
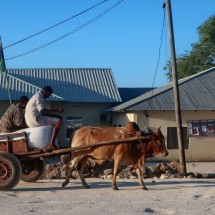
{"type": "Point", "coordinates": [91, 97]}
{"type": "Point", "coordinates": [83, 93]}
{"type": "Point", "coordinates": [156, 108]}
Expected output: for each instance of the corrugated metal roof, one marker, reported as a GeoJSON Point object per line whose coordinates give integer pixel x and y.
{"type": "Point", "coordinates": [72, 85]}
{"type": "Point", "coordinates": [197, 92]}
{"type": "Point", "coordinates": [16, 88]}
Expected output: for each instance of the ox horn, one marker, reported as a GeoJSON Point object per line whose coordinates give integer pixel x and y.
{"type": "Point", "coordinates": [150, 130]}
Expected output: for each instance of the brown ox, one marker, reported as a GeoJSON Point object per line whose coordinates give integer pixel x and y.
{"type": "Point", "coordinates": [129, 153]}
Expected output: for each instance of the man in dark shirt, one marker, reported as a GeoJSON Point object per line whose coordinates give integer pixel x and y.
{"type": "Point", "coordinates": [14, 117]}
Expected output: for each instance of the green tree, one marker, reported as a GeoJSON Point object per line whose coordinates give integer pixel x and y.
{"type": "Point", "coordinates": [202, 54]}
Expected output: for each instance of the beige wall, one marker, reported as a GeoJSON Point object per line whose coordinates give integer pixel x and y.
{"type": "Point", "coordinates": [89, 112]}
{"type": "Point", "coordinates": [200, 148]}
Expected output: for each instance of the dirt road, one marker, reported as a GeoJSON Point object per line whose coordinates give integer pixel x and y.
{"type": "Point", "coordinates": [170, 196]}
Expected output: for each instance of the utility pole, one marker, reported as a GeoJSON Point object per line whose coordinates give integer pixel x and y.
{"type": "Point", "coordinates": [176, 88]}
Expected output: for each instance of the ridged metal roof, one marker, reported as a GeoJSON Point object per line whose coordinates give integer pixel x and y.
{"type": "Point", "coordinates": [10, 85]}
{"type": "Point", "coordinates": [71, 85]}
{"type": "Point", "coordinates": [196, 92]}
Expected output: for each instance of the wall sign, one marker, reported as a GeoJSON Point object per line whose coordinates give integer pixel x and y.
{"type": "Point", "coordinates": [201, 128]}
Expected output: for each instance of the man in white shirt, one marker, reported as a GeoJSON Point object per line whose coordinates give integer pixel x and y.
{"type": "Point", "coordinates": [36, 114]}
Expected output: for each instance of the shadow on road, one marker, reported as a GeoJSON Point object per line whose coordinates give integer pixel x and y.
{"type": "Point", "coordinates": [122, 185]}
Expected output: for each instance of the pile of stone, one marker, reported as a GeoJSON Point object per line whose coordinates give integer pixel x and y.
{"type": "Point", "coordinates": [105, 170]}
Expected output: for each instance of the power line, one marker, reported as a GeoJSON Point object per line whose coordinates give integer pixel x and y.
{"type": "Point", "coordinates": [163, 25]}
{"type": "Point", "coordinates": [164, 5]}
{"type": "Point", "coordinates": [69, 33]}
{"type": "Point", "coordinates": [53, 26]}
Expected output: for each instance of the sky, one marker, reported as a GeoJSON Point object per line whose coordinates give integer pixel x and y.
{"type": "Point", "coordinates": [126, 39]}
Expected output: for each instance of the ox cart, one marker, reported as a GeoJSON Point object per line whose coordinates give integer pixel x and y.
{"type": "Point", "coordinates": [19, 162]}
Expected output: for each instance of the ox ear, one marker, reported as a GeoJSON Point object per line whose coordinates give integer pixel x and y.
{"type": "Point", "coordinates": [159, 130]}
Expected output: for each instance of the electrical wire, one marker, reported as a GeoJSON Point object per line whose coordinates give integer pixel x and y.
{"type": "Point", "coordinates": [163, 25]}
{"type": "Point", "coordinates": [53, 26]}
{"type": "Point", "coordinates": [69, 33]}
{"type": "Point", "coordinates": [159, 52]}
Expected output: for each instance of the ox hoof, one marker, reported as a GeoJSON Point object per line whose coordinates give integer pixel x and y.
{"type": "Point", "coordinates": [115, 188]}
{"type": "Point", "coordinates": [144, 188]}
{"type": "Point", "coordinates": [64, 184]}
{"type": "Point", "coordinates": [87, 186]}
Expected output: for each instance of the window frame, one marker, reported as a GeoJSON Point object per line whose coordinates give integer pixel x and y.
{"type": "Point", "coordinates": [172, 138]}
{"type": "Point", "coordinates": [72, 121]}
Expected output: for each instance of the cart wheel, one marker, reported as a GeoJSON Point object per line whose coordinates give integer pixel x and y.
{"type": "Point", "coordinates": [32, 170]}
{"type": "Point", "coordinates": [10, 171]}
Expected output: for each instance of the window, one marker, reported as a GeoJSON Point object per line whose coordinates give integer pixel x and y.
{"type": "Point", "coordinates": [172, 138]}
{"type": "Point", "coordinates": [73, 123]}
